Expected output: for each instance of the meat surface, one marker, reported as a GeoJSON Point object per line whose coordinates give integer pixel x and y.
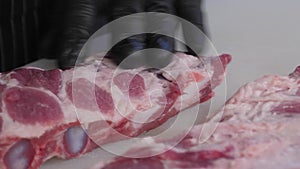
{"type": "Point", "coordinates": [65, 114]}
{"type": "Point", "coordinates": [257, 128]}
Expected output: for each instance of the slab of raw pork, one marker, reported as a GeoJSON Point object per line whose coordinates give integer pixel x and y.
{"type": "Point", "coordinates": [44, 114]}
{"type": "Point", "coordinates": [257, 128]}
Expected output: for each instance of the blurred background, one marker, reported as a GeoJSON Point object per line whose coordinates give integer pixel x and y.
{"type": "Point", "coordinates": [263, 36]}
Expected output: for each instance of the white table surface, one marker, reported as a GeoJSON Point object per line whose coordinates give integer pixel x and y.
{"type": "Point", "coordinates": [263, 36]}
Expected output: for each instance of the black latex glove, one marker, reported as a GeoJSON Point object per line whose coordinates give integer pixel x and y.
{"type": "Point", "coordinates": [76, 30]}
{"type": "Point", "coordinates": [81, 19]}
{"type": "Point", "coordinates": [187, 9]}
{"type": "Point", "coordinates": [165, 24]}
{"type": "Point", "coordinates": [191, 10]}
{"type": "Point", "coordinates": [131, 46]}
{"type": "Point", "coordinates": [161, 27]}
{"type": "Point", "coordinates": [125, 38]}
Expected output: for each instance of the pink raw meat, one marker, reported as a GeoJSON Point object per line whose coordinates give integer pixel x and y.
{"type": "Point", "coordinates": [66, 114]}
{"type": "Point", "coordinates": [259, 128]}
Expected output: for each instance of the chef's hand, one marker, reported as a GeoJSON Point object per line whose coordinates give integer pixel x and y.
{"type": "Point", "coordinates": [186, 9]}
{"type": "Point", "coordinates": [78, 27]}
{"type": "Point", "coordinates": [191, 10]}
{"type": "Point", "coordinates": [81, 22]}
{"type": "Point", "coordinates": [127, 53]}
{"type": "Point", "coordinates": [126, 34]}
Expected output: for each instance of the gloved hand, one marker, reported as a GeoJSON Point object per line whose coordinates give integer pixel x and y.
{"type": "Point", "coordinates": [191, 10]}
{"type": "Point", "coordinates": [127, 39]}
{"type": "Point", "coordinates": [161, 26]}
{"type": "Point", "coordinates": [81, 21]}
{"type": "Point", "coordinates": [187, 9]}
{"type": "Point", "coordinates": [77, 28]}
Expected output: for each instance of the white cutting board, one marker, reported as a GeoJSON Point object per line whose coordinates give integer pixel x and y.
{"type": "Point", "coordinates": [262, 36]}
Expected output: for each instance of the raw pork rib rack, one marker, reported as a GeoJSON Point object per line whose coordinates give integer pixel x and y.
{"type": "Point", "coordinates": [259, 127]}
{"type": "Point", "coordinates": [42, 112]}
